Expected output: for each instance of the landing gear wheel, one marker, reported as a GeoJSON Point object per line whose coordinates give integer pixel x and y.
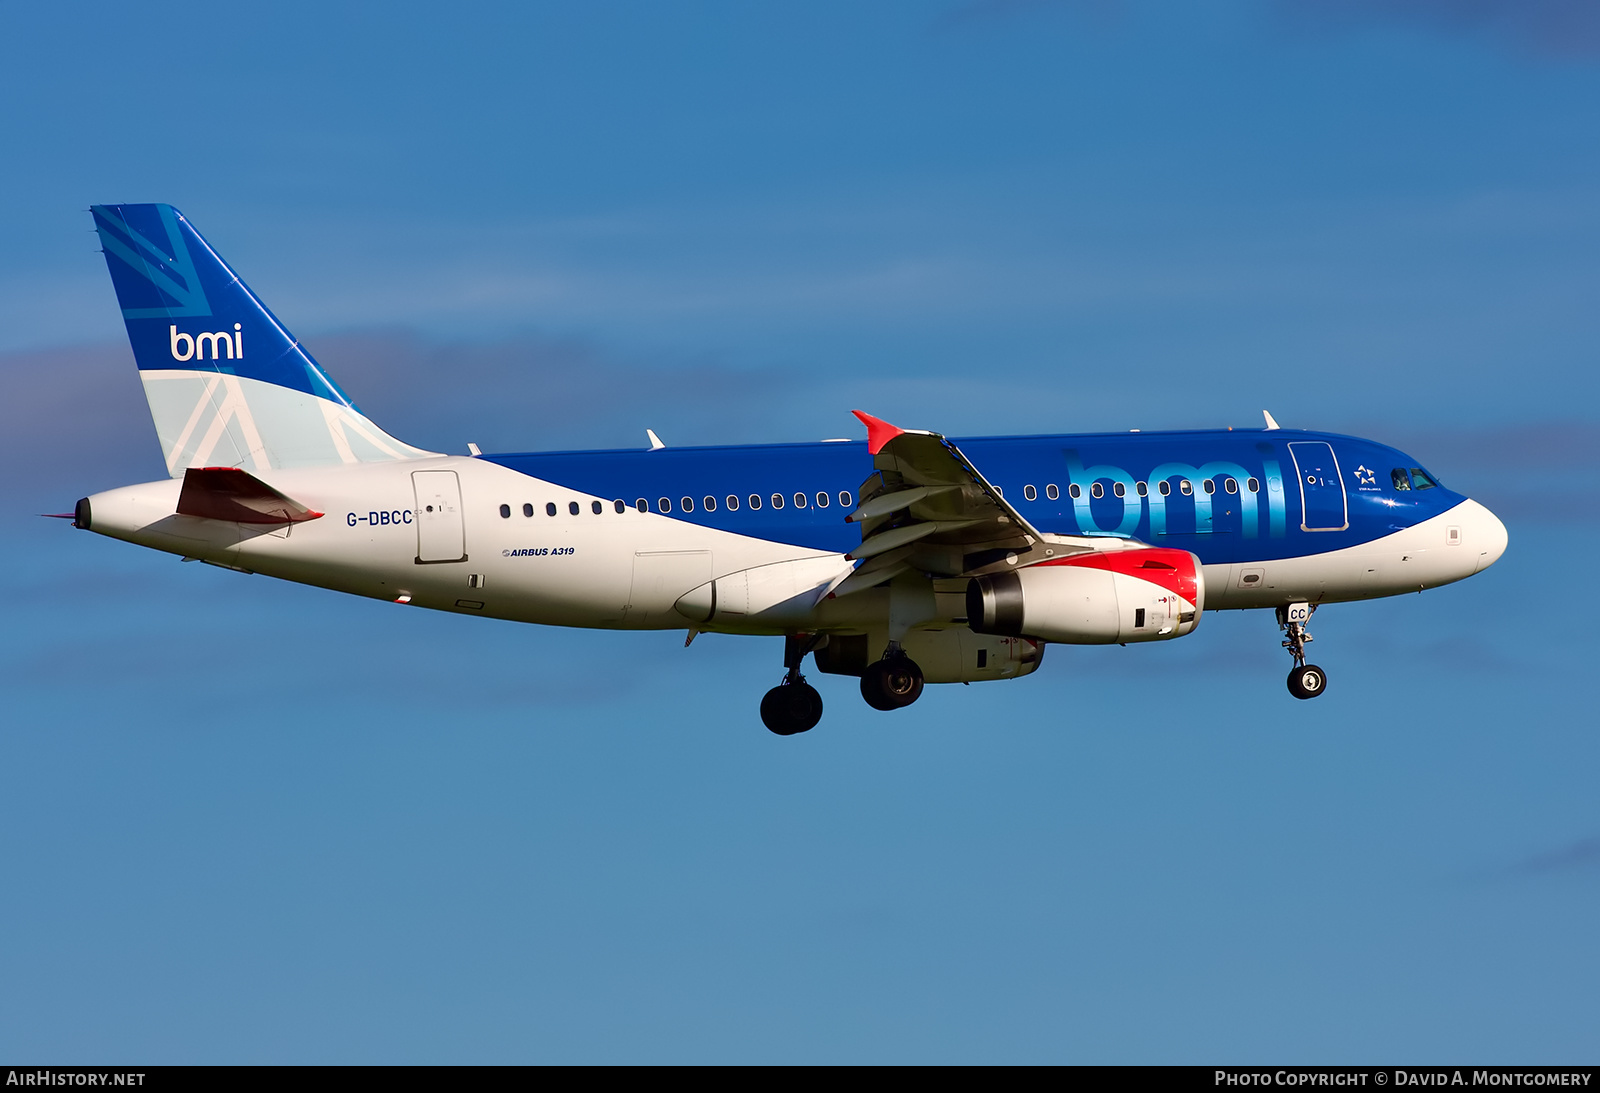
{"type": "Point", "coordinates": [1307, 681]}
{"type": "Point", "coordinates": [891, 683]}
{"type": "Point", "coordinates": [790, 708]}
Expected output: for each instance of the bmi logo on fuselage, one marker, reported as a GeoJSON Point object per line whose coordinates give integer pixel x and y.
{"type": "Point", "coordinates": [193, 346]}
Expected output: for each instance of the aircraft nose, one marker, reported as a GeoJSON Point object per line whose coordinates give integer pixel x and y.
{"type": "Point", "coordinates": [1482, 533]}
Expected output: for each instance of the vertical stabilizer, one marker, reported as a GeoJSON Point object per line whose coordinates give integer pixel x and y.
{"type": "Point", "coordinates": [228, 385]}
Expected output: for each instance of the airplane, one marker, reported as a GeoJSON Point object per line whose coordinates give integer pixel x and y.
{"type": "Point", "coordinates": [905, 559]}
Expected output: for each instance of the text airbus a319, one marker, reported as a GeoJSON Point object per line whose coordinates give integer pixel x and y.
{"type": "Point", "coordinates": [906, 559]}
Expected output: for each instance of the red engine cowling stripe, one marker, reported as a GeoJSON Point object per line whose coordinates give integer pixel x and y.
{"type": "Point", "coordinates": [1171, 569]}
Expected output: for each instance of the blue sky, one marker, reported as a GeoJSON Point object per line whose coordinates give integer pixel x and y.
{"type": "Point", "coordinates": [248, 821]}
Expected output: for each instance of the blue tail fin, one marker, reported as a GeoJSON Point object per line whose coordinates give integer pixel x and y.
{"type": "Point", "coordinates": [228, 385]}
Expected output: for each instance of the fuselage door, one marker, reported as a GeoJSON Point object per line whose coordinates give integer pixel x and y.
{"type": "Point", "coordinates": [1323, 506]}
{"type": "Point", "coordinates": [441, 532]}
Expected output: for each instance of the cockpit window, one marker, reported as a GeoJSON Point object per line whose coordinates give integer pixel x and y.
{"type": "Point", "coordinates": [1413, 479]}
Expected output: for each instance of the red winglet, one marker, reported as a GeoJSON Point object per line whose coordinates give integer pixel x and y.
{"type": "Point", "coordinates": [879, 432]}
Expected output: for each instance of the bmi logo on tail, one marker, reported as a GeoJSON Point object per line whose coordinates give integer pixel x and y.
{"type": "Point", "coordinates": [186, 347]}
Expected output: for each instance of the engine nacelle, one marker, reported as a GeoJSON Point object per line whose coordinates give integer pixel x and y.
{"type": "Point", "coordinates": [1098, 598]}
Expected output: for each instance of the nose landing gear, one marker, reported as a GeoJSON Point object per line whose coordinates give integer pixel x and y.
{"type": "Point", "coordinates": [793, 706]}
{"type": "Point", "coordinates": [1306, 680]}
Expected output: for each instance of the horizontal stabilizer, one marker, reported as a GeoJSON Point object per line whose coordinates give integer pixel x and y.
{"type": "Point", "coordinates": [227, 493]}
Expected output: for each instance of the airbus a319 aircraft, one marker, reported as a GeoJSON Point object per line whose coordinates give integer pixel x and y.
{"type": "Point", "coordinates": [906, 559]}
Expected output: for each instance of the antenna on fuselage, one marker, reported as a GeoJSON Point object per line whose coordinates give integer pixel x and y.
{"type": "Point", "coordinates": [1271, 424]}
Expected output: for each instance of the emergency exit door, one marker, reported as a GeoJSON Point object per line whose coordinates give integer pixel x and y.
{"type": "Point", "coordinates": [441, 531]}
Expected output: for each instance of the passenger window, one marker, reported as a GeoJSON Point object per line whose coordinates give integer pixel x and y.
{"type": "Point", "coordinates": [1142, 489]}
{"type": "Point", "coordinates": [1421, 480]}
{"type": "Point", "coordinates": [1401, 480]}
{"type": "Point", "coordinates": [1074, 491]}
{"type": "Point", "coordinates": [622, 506]}
{"type": "Point", "coordinates": [505, 512]}
{"type": "Point", "coordinates": [1119, 489]}
{"type": "Point", "coordinates": [846, 498]}
{"type": "Point", "coordinates": [572, 507]}
{"type": "Point", "coordinates": [710, 503]}
{"type": "Point", "coordinates": [1231, 485]}
{"type": "Point", "coordinates": [755, 500]}
{"type": "Point", "coordinates": [663, 504]}
{"type": "Point", "coordinates": [1186, 487]}
{"type": "Point", "coordinates": [550, 508]}
{"type": "Point", "coordinates": [822, 499]}
{"type": "Point", "coordinates": [1029, 493]}
{"type": "Point", "coordinates": [1165, 487]}
{"type": "Point", "coordinates": [686, 503]}
{"type": "Point", "coordinates": [596, 507]}
{"type": "Point", "coordinates": [1051, 492]}
{"type": "Point", "coordinates": [1097, 490]}
{"type": "Point", "coordinates": [1253, 486]}
{"type": "Point", "coordinates": [799, 500]}
{"type": "Point", "coordinates": [777, 500]}
{"type": "Point", "coordinates": [733, 502]}
{"type": "Point", "coordinates": [642, 505]}
{"type": "Point", "coordinates": [527, 509]}
{"type": "Point", "coordinates": [1210, 485]}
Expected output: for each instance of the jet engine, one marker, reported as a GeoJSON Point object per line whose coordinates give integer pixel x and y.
{"type": "Point", "coordinates": [1097, 598]}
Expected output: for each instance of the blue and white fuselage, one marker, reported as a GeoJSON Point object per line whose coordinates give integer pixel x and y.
{"type": "Point", "coordinates": [1234, 498]}
{"type": "Point", "coordinates": [905, 558]}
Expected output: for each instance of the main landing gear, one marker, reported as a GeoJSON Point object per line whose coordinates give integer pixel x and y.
{"type": "Point", "coordinates": [1306, 680]}
{"type": "Point", "coordinates": [793, 706]}
{"type": "Point", "coordinates": [893, 682]}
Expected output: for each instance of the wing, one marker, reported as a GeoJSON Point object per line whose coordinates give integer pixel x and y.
{"type": "Point", "coordinates": [926, 507]}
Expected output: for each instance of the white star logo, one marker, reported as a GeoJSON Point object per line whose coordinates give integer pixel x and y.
{"type": "Point", "coordinates": [1365, 477]}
